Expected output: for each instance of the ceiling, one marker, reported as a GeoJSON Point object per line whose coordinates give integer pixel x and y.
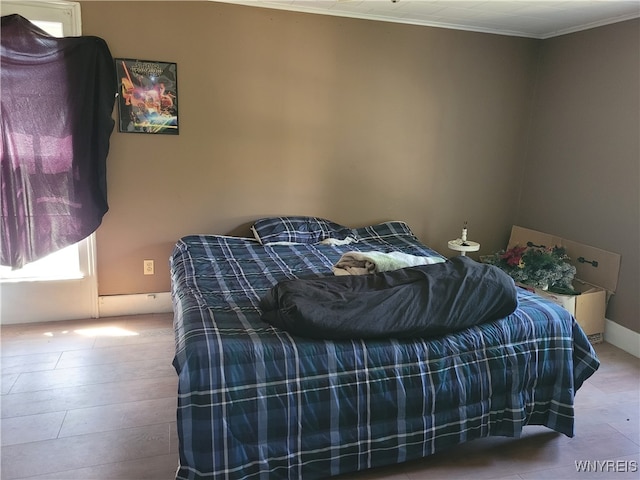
{"type": "Point", "coordinates": [522, 18]}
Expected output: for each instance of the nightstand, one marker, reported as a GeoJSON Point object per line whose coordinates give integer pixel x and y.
{"type": "Point", "coordinates": [463, 246]}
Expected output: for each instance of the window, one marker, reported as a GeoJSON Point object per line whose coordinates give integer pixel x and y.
{"type": "Point", "coordinates": [63, 285]}
{"type": "Point", "coordinates": [64, 264]}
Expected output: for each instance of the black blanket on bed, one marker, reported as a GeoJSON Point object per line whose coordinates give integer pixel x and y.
{"type": "Point", "coordinates": [417, 301]}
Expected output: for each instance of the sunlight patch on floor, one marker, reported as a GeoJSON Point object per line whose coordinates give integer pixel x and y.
{"type": "Point", "coordinates": [107, 331]}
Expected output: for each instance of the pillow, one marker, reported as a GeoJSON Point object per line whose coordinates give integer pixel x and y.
{"type": "Point", "coordinates": [382, 230]}
{"type": "Point", "coordinates": [297, 229]}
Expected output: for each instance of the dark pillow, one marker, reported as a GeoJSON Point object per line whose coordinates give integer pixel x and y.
{"type": "Point", "coordinates": [393, 228]}
{"type": "Point", "coordinates": [297, 229]}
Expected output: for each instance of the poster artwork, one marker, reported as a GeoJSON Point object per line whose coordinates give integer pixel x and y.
{"type": "Point", "coordinates": [148, 96]}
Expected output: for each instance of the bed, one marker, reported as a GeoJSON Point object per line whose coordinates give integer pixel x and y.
{"type": "Point", "coordinates": [258, 402]}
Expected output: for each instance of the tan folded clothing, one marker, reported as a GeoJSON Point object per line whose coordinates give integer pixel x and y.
{"type": "Point", "coordinates": [362, 263]}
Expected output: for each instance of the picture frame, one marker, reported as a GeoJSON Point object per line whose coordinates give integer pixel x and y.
{"type": "Point", "coordinates": [147, 96]}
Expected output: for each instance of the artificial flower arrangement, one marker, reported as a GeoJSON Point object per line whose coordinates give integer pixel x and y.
{"type": "Point", "coordinates": [539, 267]}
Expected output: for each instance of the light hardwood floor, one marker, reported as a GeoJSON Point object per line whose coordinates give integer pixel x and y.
{"type": "Point", "coordinates": [96, 399]}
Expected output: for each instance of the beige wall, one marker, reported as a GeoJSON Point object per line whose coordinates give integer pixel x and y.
{"type": "Point", "coordinates": [582, 174]}
{"type": "Point", "coordinates": [360, 122]}
{"type": "Point", "coordinates": [289, 113]}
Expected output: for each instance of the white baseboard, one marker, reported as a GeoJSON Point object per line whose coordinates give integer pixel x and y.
{"type": "Point", "coordinates": [117, 305]}
{"type": "Point", "coordinates": [622, 337]}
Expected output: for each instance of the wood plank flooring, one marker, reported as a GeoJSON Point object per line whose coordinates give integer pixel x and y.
{"type": "Point", "coordinates": [96, 399]}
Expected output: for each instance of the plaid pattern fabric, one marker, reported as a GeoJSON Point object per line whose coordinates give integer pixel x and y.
{"type": "Point", "coordinates": [297, 229]}
{"type": "Point", "coordinates": [394, 230]}
{"type": "Point", "coordinates": [256, 403]}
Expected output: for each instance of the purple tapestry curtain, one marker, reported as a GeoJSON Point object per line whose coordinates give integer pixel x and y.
{"type": "Point", "coordinates": [57, 97]}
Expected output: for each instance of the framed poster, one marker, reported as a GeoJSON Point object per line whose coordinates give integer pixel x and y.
{"type": "Point", "coordinates": [148, 96]}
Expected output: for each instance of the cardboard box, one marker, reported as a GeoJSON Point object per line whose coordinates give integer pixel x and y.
{"type": "Point", "coordinates": [596, 278]}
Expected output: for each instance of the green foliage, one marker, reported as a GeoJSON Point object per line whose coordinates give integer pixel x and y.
{"type": "Point", "coordinates": [546, 268]}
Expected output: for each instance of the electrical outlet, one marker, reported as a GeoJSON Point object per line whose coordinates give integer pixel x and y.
{"type": "Point", "coordinates": [148, 267]}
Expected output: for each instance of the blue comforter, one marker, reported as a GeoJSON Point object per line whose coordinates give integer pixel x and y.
{"type": "Point", "coordinates": [256, 402]}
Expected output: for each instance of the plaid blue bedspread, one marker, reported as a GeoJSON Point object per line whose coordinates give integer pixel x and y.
{"type": "Point", "coordinates": [256, 403]}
